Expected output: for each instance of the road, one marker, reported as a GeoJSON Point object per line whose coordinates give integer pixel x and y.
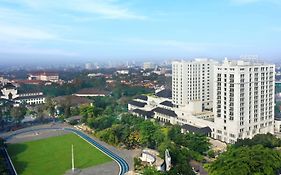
{"type": "Point", "coordinates": [123, 165]}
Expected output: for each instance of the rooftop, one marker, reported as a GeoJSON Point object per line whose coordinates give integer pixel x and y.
{"type": "Point", "coordinates": [244, 62]}
{"type": "Point", "coordinates": [165, 112]}
{"type": "Point", "coordinates": [30, 97]}
{"type": "Point", "coordinates": [9, 86]}
{"type": "Point", "coordinates": [92, 91]}
{"type": "Point", "coordinates": [73, 100]}
{"type": "Point", "coordinates": [27, 91]}
{"type": "Point", "coordinates": [137, 103]}
{"type": "Point", "coordinates": [194, 129]}
{"type": "Point", "coordinates": [73, 118]}
{"type": "Point", "coordinates": [142, 97]}
{"type": "Point", "coordinates": [166, 93]}
{"type": "Point", "coordinates": [43, 73]}
{"type": "Point", "coordinates": [144, 113]}
{"type": "Point", "coordinates": [167, 103]}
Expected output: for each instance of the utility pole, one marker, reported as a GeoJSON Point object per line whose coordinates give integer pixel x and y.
{"type": "Point", "coordinates": [72, 159]}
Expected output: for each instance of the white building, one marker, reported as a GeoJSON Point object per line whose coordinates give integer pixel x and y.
{"type": "Point", "coordinates": [148, 65]}
{"type": "Point", "coordinates": [243, 99]}
{"type": "Point", "coordinates": [12, 93]}
{"type": "Point", "coordinates": [192, 80]}
{"type": "Point", "coordinates": [122, 72]}
{"type": "Point", "coordinates": [89, 66]}
{"type": "Point", "coordinates": [44, 76]}
{"type": "Point", "coordinates": [91, 92]}
{"type": "Point", "coordinates": [3, 80]}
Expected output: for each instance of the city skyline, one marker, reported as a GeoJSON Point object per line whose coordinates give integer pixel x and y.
{"type": "Point", "coordinates": [139, 30]}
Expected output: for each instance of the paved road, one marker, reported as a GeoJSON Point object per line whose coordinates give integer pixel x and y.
{"type": "Point", "coordinates": [123, 165]}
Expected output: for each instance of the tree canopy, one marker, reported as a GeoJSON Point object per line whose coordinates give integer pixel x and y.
{"type": "Point", "coordinates": [254, 160]}
{"type": "Point", "coordinates": [18, 113]}
{"type": "Point", "coordinates": [267, 140]}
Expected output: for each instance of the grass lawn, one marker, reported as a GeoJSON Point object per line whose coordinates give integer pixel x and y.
{"type": "Point", "coordinates": [52, 156]}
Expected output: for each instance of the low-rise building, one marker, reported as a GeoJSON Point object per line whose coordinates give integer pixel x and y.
{"type": "Point", "coordinates": [17, 95]}
{"type": "Point", "coordinates": [160, 107]}
{"type": "Point", "coordinates": [44, 76]}
{"type": "Point", "coordinates": [91, 92]}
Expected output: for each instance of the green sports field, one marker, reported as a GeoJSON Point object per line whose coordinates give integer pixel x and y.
{"type": "Point", "coordinates": [52, 156]}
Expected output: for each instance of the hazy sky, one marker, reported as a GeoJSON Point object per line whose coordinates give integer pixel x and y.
{"type": "Point", "coordinates": [138, 29]}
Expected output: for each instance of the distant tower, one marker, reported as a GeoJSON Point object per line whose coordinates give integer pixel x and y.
{"type": "Point", "coordinates": [168, 160]}
{"type": "Point", "coordinates": [89, 66]}
{"type": "Point", "coordinates": [148, 65]}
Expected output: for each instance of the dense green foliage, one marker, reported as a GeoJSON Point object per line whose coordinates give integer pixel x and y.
{"type": "Point", "coordinates": [250, 156]}
{"type": "Point", "coordinates": [67, 88]}
{"type": "Point", "coordinates": [150, 171]}
{"type": "Point", "coordinates": [18, 113]}
{"type": "Point", "coordinates": [7, 110]}
{"type": "Point", "coordinates": [256, 160]}
{"type": "Point", "coordinates": [53, 155]}
{"type": "Point", "coordinates": [196, 142]}
{"type": "Point", "coordinates": [121, 90]}
{"type": "Point", "coordinates": [266, 140]}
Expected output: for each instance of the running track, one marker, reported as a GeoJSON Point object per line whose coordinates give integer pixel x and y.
{"type": "Point", "coordinates": [123, 165]}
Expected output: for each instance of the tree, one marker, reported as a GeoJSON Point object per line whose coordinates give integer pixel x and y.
{"type": "Point", "coordinates": [196, 142]}
{"type": "Point", "coordinates": [66, 107]}
{"type": "Point", "coordinates": [267, 140]}
{"type": "Point", "coordinates": [50, 106]}
{"type": "Point", "coordinates": [133, 140]}
{"type": "Point", "coordinates": [247, 160]}
{"type": "Point", "coordinates": [40, 112]}
{"type": "Point", "coordinates": [175, 134]}
{"type": "Point", "coordinates": [147, 130]}
{"type": "Point", "coordinates": [150, 171]}
{"type": "Point", "coordinates": [2, 142]}
{"type": "Point", "coordinates": [158, 137]}
{"type": "Point", "coordinates": [18, 113]}
{"type": "Point", "coordinates": [137, 163]}
{"type": "Point", "coordinates": [181, 169]}
{"type": "Point", "coordinates": [87, 110]}
{"type": "Point", "coordinates": [211, 153]}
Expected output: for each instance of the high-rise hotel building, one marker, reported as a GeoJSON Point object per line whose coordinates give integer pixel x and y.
{"type": "Point", "coordinates": [193, 81]}
{"type": "Point", "coordinates": [243, 99]}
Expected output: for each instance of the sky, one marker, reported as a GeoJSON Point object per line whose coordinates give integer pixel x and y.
{"type": "Point", "coordinates": [89, 30]}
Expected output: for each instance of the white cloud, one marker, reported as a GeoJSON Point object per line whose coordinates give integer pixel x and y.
{"type": "Point", "coordinates": [15, 32]}
{"type": "Point", "coordinates": [106, 9]}
{"type": "Point", "coordinates": [109, 9]}
{"type": "Point", "coordinates": [27, 50]}
{"type": "Point", "coordinates": [244, 2]}
{"type": "Point", "coordinates": [190, 47]}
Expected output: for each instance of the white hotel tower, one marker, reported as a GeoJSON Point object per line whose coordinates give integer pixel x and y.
{"type": "Point", "coordinates": [243, 99]}
{"type": "Point", "coordinates": [193, 81]}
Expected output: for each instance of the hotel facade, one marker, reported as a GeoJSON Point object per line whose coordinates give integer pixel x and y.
{"type": "Point", "coordinates": [227, 101]}
{"type": "Point", "coordinates": [192, 80]}
{"type": "Point", "coordinates": [243, 99]}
